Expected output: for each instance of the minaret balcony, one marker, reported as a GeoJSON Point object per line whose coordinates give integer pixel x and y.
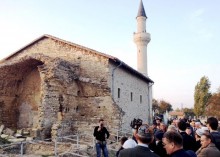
{"type": "Point", "coordinates": [142, 37]}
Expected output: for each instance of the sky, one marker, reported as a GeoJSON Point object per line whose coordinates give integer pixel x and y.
{"type": "Point", "coordinates": [184, 42]}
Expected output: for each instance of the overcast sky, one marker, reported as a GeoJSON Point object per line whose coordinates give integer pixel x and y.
{"type": "Point", "coordinates": [184, 42]}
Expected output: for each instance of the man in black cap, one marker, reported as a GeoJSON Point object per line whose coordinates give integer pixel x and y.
{"type": "Point", "coordinates": [144, 137]}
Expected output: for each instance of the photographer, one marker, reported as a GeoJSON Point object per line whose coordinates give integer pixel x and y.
{"type": "Point", "coordinates": [100, 133]}
{"type": "Point", "coordinates": [131, 143]}
{"type": "Point", "coordinates": [135, 124]}
{"type": "Point", "coordinates": [144, 137]}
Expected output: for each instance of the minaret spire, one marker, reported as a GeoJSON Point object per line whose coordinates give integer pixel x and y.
{"type": "Point", "coordinates": [141, 38]}
{"type": "Point", "coordinates": [141, 11]}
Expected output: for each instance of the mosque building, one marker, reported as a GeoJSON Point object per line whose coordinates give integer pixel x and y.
{"type": "Point", "coordinates": [55, 87]}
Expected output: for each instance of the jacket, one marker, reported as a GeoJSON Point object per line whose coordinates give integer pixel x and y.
{"type": "Point", "coordinates": [138, 151]}
{"type": "Point", "coordinates": [160, 150]}
{"type": "Point", "coordinates": [189, 143]}
{"type": "Point", "coordinates": [210, 151]}
{"type": "Point", "coordinates": [216, 139]}
{"type": "Point", "coordinates": [180, 153]}
{"type": "Point", "coordinates": [100, 135]}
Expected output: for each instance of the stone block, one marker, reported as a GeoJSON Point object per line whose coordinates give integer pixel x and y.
{"type": "Point", "coordinates": [1, 129]}
{"type": "Point", "coordinates": [15, 140]}
{"type": "Point", "coordinates": [18, 135]}
{"type": "Point", "coordinates": [35, 133]}
{"type": "Point", "coordinates": [29, 138]}
{"type": "Point", "coordinates": [4, 136]}
{"type": "Point", "coordinates": [8, 131]}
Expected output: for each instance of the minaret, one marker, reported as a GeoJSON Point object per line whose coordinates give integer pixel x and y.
{"type": "Point", "coordinates": [141, 38]}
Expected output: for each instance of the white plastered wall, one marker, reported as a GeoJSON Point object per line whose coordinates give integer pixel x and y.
{"type": "Point", "coordinates": [129, 82]}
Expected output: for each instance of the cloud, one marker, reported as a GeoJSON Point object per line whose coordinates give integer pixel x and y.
{"type": "Point", "coordinates": [200, 29]}
{"type": "Point", "coordinates": [196, 15]}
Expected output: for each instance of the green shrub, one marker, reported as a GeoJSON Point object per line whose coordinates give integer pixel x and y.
{"type": "Point", "coordinates": [4, 141]}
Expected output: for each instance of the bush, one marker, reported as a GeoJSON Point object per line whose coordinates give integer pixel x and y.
{"type": "Point", "coordinates": [4, 141]}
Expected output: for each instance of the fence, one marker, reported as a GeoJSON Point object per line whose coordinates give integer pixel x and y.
{"type": "Point", "coordinates": [77, 140]}
{"type": "Point", "coordinates": [74, 139]}
{"type": "Point", "coordinates": [19, 145]}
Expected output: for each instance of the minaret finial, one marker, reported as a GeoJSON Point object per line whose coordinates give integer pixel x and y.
{"type": "Point", "coordinates": [141, 11]}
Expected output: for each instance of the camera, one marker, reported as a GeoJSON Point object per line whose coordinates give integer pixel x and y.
{"type": "Point", "coordinates": [136, 123]}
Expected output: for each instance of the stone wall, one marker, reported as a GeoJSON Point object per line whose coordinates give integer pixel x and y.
{"type": "Point", "coordinates": [13, 91]}
{"type": "Point", "coordinates": [29, 93]}
{"type": "Point", "coordinates": [93, 68]}
{"type": "Point", "coordinates": [71, 90]}
{"type": "Point", "coordinates": [139, 106]}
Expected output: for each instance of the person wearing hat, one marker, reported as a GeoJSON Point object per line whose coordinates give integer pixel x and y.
{"type": "Point", "coordinates": [144, 137]}
{"type": "Point", "coordinates": [162, 128]}
{"type": "Point", "coordinates": [208, 148]}
{"type": "Point", "coordinates": [206, 129]}
{"type": "Point", "coordinates": [198, 134]}
{"type": "Point", "coordinates": [130, 143]}
{"type": "Point", "coordinates": [197, 125]}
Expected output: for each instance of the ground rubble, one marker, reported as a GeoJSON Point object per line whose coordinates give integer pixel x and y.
{"type": "Point", "coordinates": [13, 143]}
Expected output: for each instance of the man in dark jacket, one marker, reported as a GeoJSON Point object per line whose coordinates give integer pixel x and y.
{"type": "Point", "coordinates": [189, 143]}
{"type": "Point", "coordinates": [160, 150]}
{"type": "Point", "coordinates": [144, 137]}
{"type": "Point", "coordinates": [212, 124]}
{"type": "Point", "coordinates": [173, 143]}
{"type": "Point", "coordinates": [123, 139]}
{"type": "Point", "coordinates": [101, 133]}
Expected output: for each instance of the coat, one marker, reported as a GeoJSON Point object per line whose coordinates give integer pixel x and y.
{"type": "Point", "coordinates": [210, 151]}
{"type": "Point", "coordinates": [180, 153]}
{"type": "Point", "coordinates": [189, 143]}
{"type": "Point", "coordinates": [160, 150]}
{"type": "Point", "coordinates": [138, 151]}
{"type": "Point", "coordinates": [216, 137]}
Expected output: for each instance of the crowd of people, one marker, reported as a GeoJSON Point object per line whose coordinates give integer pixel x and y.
{"type": "Point", "coordinates": [179, 138]}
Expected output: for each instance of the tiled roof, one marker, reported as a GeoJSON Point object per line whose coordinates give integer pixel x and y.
{"type": "Point", "coordinates": [176, 113]}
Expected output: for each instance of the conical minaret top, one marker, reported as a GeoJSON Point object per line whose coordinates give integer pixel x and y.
{"type": "Point", "coordinates": [141, 11]}
{"type": "Point", "coordinates": [141, 38]}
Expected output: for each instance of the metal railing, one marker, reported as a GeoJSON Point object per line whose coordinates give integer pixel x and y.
{"type": "Point", "coordinates": [77, 139]}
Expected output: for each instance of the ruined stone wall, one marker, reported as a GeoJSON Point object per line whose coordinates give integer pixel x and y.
{"type": "Point", "coordinates": [59, 92]}
{"type": "Point", "coordinates": [14, 88]}
{"type": "Point", "coordinates": [93, 68]}
{"type": "Point", "coordinates": [70, 106]}
{"type": "Point", "coordinates": [128, 84]}
{"type": "Point", "coordinates": [29, 99]}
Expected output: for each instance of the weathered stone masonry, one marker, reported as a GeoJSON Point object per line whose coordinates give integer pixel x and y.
{"type": "Point", "coordinates": [55, 88]}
